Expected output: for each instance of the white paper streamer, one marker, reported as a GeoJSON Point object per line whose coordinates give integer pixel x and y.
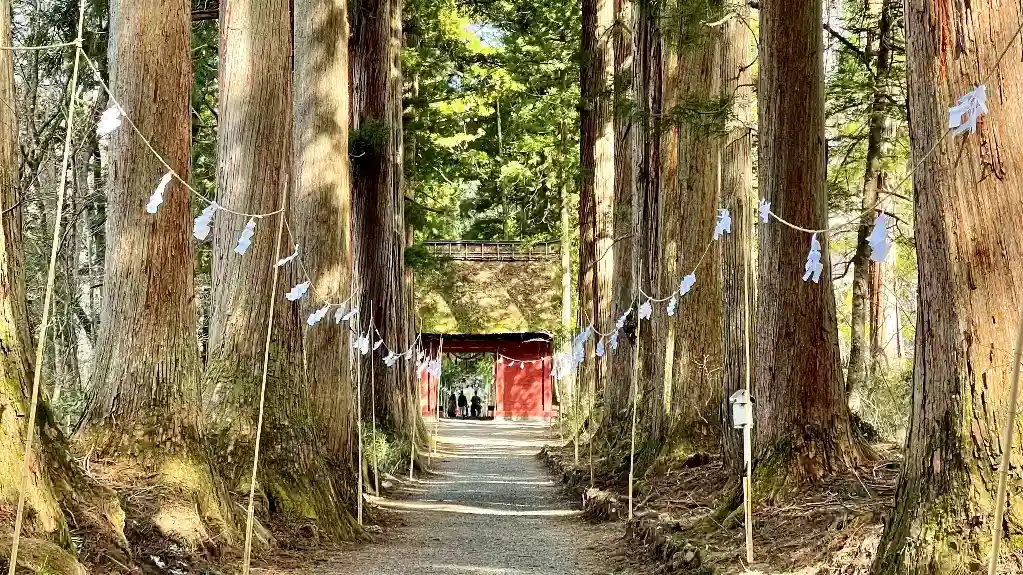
{"type": "Point", "coordinates": [765, 211]}
{"type": "Point", "coordinates": [972, 106]}
{"type": "Point", "coordinates": [672, 305]}
{"type": "Point", "coordinates": [157, 198]}
{"type": "Point", "coordinates": [724, 224]}
{"type": "Point", "coordinates": [109, 121]}
{"type": "Point", "coordinates": [687, 284]}
{"type": "Point", "coordinates": [288, 259]}
{"type": "Point", "coordinates": [621, 321]}
{"type": "Point", "coordinates": [814, 267]}
{"type": "Point", "coordinates": [645, 310]}
{"type": "Point", "coordinates": [614, 340]}
{"type": "Point", "coordinates": [297, 292]}
{"type": "Point", "coordinates": [600, 348]}
{"type": "Point", "coordinates": [878, 239]}
{"type": "Point", "coordinates": [316, 316]}
{"type": "Point", "coordinates": [201, 230]}
{"type": "Point", "coordinates": [245, 240]}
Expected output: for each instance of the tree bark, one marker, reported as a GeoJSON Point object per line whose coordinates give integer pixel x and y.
{"type": "Point", "coordinates": [618, 387]}
{"type": "Point", "coordinates": [255, 152]}
{"type": "Point", "coordinates": [144, 398]}
{"type": "Point", "coordinates": [691, 202]}
{"type": "Point", "coordinates": [322, 192]}
{"type": "Point", "coordinates": [737, 252]}
{"type": "Point", "coordinates": [379, 209]}
{"type": "Point", "coordinates": [647, 175]}
{"type": "Point", "coordinates": [859, 354]}
{"type": "Point", "coordinates": [597, 163]}
{"type": "Point", "coordinates": [804, 430]}
{"type": "Point", "coordinates": [969, 213]}
{"type": "Point", "coordinates": [42, 510]}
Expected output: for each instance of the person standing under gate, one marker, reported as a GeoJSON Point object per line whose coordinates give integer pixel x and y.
{"type": "Point", "coordinates": [463, 403]}
{"type": "Point", "coordinates": [477, 405]}
{"type": "Point", "coordinates": [452, 405]}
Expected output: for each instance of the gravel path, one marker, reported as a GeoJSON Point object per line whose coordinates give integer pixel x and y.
{"type": "Point", "coordinates": [489, 508]}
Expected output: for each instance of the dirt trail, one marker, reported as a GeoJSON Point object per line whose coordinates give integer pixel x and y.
{"type": "Point", "coordinates": [489, 508]}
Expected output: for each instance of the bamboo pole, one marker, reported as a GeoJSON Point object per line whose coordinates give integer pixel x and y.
{"type": "Point", "coordinates": [250, 514]}
{"type": "Point", "coordinates": [1003, 473]}
{"type": "Point", "coordinates": [635, 409]}
{"type": "Point", "coordinates": [358, 417]}
{"type": "Point", "coordinates": [51, 276]}
{"type": "Point", "coordinates": [373, 418]}
{"type": "Point", "coordinates": [747, 431]}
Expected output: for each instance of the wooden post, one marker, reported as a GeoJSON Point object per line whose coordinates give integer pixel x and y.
{"type": "Point", "coordinates": [373, 418]}
{"type": "Point", "coordinates": [747, 431]}
{"type": "Point", "coordinates": [635, 409]}
{"type": "Point", "coordinates": [358, 418]}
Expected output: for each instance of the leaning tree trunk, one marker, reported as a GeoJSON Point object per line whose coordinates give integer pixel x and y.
{"type": "Point", "coordinates": [690, 207]}
{"type": "Point", "coordinates": [737, 251]}
{"type": "Point", "coordinates": [378, 206]}
{"type": "Point", "coordinates": [322, 199]}
{"type": "Point", "coordinates": [144, 400]}
{"type": "Point", "coordinates": [618, 387]}
{"type": "Point", "coordinates": [597, 163]}
{"type": "Point", "coordinates": [969, 237]}
{"type": "Point", "coordinates": [254, 148]}
{"type": "Point", "coordinates": [859, 352]}
{"type": "Point", "coordinates": [803, 423]}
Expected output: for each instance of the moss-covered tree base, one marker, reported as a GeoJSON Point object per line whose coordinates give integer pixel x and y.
{"type": "Point", "coordinates": [800, 459]}
{"type": "Point", "coordinates": [948, 536]}
{"type": "Point", "coordinates": [167, 484]}
{"type": "Point", "coordinates": [298, 490]}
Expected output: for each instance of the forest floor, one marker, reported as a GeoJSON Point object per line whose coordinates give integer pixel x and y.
{"type": "Point", "coordinates": [487, 507]}
{"type": "Point", "coordinates": [688, 516]}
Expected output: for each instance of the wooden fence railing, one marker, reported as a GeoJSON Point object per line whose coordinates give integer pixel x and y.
{"type": "Point", "coordinates": [494, 251]}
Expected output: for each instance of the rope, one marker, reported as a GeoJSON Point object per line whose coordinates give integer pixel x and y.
{"type": "Point", "coordinates": [145, 140]}
{"type": "Point", "coordinates": [77, 42]}
{"type": "Point", "coordinates": [247, 555]}
{"type": "Point", "coordinates": [51, 275]}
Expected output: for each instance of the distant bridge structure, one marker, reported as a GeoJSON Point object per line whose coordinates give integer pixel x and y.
{"type": "Point", "coordinates": [506, 251]}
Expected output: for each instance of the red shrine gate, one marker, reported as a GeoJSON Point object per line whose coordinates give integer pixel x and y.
{"type": "Point", "coordinates": [523, 384]}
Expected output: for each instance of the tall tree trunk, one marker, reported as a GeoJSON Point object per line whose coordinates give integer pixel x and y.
{"type": "Point", "coordinates": [691, 203]}
{"type": "Point", "coordinates": [255, 153]}
{"type": "Point", "coordinates": [144, 399]}
{"type": "Point", "coordinates": [378, 206]}
{"type": "Point", "coordinates": [737, 252]}
{"type": "Point", "coordinates": [597, 191]}
{"type": "Point", "coordinates": [859, 355]}
{"type": "Point", "coordinates": [618, 387]}
{"type": "Point", "coordinates": [567, 399]}
{"type": "Point", "coordinates": [42, 510]}
{"type": "Point", "coordinates": [969, 212]}
{"type": "Point", "coordinates": [322, 198]}
{"type": "Point", "coordinates": [804, 430]}
{"type": "Point", "coordinates": [647, 175]}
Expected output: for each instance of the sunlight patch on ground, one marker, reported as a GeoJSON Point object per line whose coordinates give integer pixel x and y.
{"type": "Point", "coordinates": [468, 509]}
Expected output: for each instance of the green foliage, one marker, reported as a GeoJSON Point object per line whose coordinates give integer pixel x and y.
{"type": "Point", "coordinates": [369, 139]}
{"type": "Point", "coordinates": [490, 132]}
